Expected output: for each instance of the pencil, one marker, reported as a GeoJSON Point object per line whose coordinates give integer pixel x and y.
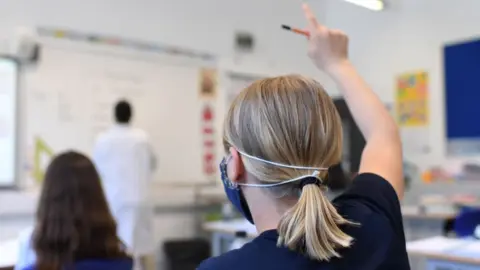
{"type": "Point", "coordinates": [296, 30]}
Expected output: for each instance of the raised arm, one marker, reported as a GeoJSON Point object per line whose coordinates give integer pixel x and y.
{"type": "Point", "coordinates": [382, 154]}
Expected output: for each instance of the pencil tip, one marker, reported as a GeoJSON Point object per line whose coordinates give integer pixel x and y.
{"type": "Point", "coordinates": [286, 27]}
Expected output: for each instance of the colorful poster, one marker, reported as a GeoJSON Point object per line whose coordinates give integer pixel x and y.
{"type": "Point", "coordinates": [412, 99]}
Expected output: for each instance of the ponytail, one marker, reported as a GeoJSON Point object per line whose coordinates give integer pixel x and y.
{"type": "Point", "coordinates": [312, 226]}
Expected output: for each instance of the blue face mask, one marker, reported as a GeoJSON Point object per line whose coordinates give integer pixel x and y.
{"type": "Point", "coordinates": [235, 195]}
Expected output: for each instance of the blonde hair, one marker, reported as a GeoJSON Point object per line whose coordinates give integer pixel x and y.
{"type": "Point", "coordinates": [292, 120]}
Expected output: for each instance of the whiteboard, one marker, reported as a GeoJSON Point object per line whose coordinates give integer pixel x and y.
{"type": "Point", "coordinates": [8, 123]}
{"type": "Point", "coordinates": [70, 99]}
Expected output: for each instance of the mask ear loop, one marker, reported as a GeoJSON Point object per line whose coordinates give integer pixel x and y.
{"type": "Point", "coordinates": [315, 174]}
{"type": "Point", "coordinates": [224, 175]}
{"type": "Point", "coordinates": [281, 164]}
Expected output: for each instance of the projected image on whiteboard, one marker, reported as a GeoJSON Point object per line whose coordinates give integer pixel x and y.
{"type": "Point", "coordinates": [8, 95]}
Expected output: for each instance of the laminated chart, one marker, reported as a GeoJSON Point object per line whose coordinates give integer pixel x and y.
{"type": "Point", "coordinates": [412, 99]}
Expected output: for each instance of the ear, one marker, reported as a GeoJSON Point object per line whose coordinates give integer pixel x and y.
{"type": "Point", "coordinates": [235, 168]}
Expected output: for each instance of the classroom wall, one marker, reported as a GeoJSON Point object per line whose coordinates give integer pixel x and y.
{"type": "Point", "coordinates": [408, 36]}
{"type": "Point", "coordinates": [207, 25]}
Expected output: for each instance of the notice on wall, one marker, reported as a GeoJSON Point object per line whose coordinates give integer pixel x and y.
{"type": "Point", "coordinates": [208, 134]}
{"type": "Point", "coordinates": [208, 83]}
{"type": "Point", "coordinates": [412, 99]}
{"type": "Point", "coordinates": [412, 111]}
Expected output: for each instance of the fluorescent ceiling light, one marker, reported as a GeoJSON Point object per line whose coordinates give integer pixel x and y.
{"type": "Point", "coordinates": [376, 5]}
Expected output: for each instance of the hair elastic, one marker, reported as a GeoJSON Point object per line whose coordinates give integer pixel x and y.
{"type": "Point", "coordinates": [309, 181]}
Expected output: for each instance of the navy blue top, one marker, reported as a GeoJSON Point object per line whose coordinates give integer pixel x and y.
{"type": "Point", "coordinates": [113, 264]}
{"type": "Point", "coordinates": [379, 241]}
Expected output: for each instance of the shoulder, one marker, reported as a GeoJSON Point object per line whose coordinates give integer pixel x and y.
{"type": "Point", "coordinates": [25, 240]}
{"type": "Point", "coordinates": [372, 203]}
{"type": "Point", "coordinates": [139, 134]}
{"type": "Point", "coordinates": [235, 259]}
{"type": "Point", "coordinates": [106, 264]}
{"type": "Point", "coordinates": [372, 190]}
{"type": "Point", "coordinates": [103, 137]}
{"type": "Point", "coordinates": [26, 254]}
{"type": "Point", "coordinates": [26, 235]}
{"type": "Point", "coordinates": [371, 199]}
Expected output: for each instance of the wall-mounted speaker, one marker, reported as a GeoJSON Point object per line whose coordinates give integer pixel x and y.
{"type": "Point", "coordinates": [24, 46]}
{"type": "Point", "coordinates": [244, 42]}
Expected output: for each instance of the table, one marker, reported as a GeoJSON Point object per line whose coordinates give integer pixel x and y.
{"type": "Point", "coordinates": [9, 253]}
{"type": "Point", "coordinates": [223, 233]}
{"type": "Point", "coordinates": [421, 225]}
{"type": "Point", "coordinates": [417, 225]}
{"type": "Point", "coordinates": [446, 253]}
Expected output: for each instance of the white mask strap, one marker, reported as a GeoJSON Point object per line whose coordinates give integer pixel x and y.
{"type": "Point", "coordinates": [282, 165]}
{"type": "Point", "coordinates": [314, 174]}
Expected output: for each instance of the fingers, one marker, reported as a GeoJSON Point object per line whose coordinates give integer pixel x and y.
{"type": "Point", "coordinates": [312, 20]}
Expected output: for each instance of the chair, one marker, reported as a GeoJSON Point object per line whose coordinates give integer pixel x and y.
{"type": "Point", "coordinates": [467, 221]}
{"type": "Point", "coordinates": [186, 254]}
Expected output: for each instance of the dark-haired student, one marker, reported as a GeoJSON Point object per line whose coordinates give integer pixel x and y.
{"type": "Point", "coordinates": [74, 228]}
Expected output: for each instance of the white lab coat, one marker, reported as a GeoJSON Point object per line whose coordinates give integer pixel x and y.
{"type": "Point", "coordinates": [126, 162]}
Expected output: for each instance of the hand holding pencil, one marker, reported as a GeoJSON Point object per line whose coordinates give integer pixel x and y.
{"type": "Point", "coordinates": [327, 48]}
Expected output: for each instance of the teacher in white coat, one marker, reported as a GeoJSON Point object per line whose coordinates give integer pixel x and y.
{"type": "Point", "coordinates": [125, 160]}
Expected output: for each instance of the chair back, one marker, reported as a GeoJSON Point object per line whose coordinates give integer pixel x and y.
{"type": "Point", "coordinates": [466, 222]}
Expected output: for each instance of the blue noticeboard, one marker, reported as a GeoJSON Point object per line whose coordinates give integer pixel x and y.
{"type": "Point", "coordinates": [462, 97]}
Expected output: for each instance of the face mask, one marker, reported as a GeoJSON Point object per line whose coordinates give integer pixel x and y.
{"type": "Point", "coordinates": [235, 195]}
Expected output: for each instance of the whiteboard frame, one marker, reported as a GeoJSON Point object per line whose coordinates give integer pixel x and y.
{"type": "Point", "coordinates": [17, 138]}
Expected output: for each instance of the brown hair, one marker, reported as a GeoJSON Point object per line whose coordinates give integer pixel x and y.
{"type": "Point", "coordinates": [73, 220]}
{"type": "Point", "coordinates": [292, 120]}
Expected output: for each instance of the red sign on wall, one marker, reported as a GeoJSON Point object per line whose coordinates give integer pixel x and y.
{"type": "Point", "coordinates": [208, 133]}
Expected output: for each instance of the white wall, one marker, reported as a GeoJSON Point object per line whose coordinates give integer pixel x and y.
{"type": "Point", "coordinates": [207, 25]}
{"type": "Point", "coordinates": [408, 36]}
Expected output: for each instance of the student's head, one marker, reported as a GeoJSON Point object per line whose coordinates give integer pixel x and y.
{"type": "Point", "coordinates": [123, 112]}
{"type": "Point", "coordinates": [73, 220]}
{"type": "Point", "coordinates": [281, 135]}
